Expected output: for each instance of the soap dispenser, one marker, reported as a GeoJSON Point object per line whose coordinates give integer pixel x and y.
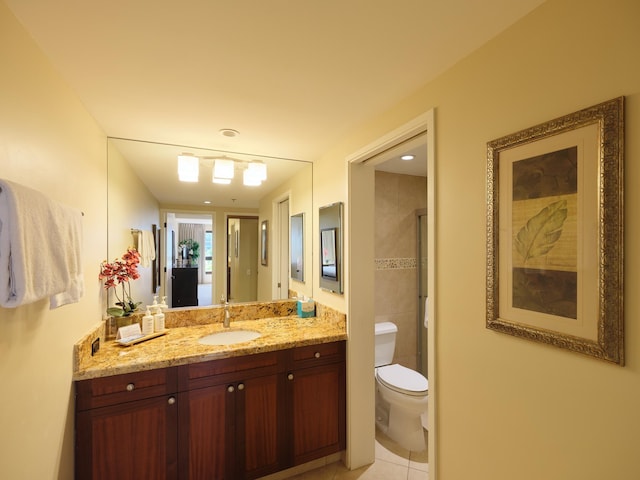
{"type": "Point", "coordinates": [147, 322]}
{"type": "Point", "coordinates": [163, 305]}
{"type": "Point", "coordinates": [158, 319]}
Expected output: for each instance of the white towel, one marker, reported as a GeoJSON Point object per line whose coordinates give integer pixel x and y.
{"type": "Point", "coordinates": [146, 247]}
{"type": "Point", "coordinates": [40, 248]}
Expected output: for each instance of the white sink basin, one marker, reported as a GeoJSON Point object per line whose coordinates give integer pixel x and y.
{"type": "Point", "coordinates": [229, 337]}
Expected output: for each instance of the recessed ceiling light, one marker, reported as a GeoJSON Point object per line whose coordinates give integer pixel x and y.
{"type": "Point", "coordinates": [407, 157]}
{"type": "Point", "coordinates": [207, 202]}
{"type": "Point", "coordinates": [229, 132]}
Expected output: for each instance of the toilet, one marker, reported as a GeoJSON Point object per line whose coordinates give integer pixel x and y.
{"type": "Point", "coordinates": [401, 393]}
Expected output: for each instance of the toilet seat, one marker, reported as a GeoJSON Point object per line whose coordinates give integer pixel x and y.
{"type": "Point", "coordinates": [403, 380]}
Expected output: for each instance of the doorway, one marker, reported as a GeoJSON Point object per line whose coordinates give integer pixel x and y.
{"type": "Point", "coordinates": [361, 287]}
{"type": "Point", "coordinates": [282, 271]}
{"type": "Point", "coordinates": [242, 259]}
{"type": "Point", "coordinates": [188, 252]}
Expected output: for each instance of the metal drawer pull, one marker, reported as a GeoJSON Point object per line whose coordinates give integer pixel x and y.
{"type": "Point", "coordinates": [317, 355]}
{"type": "Point", "coordinates": [130, 387]}
{"type": "Point", "coordinates": [241, 386]}
{"type": "Point", "coordinates": [230, 389]}
{"type": "Point", "coordinates": [290, 376]}
{"type": "Point", "coordinates": [171, 400]}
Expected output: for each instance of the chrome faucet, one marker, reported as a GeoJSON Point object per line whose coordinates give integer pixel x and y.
{"type": "Point", "coordinates": [227, 314]}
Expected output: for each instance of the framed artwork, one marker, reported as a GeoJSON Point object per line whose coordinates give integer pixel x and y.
{"type": "Point", "coordinates": [264, 242]}
{"type": "Point", "coordinates": [555, 232]}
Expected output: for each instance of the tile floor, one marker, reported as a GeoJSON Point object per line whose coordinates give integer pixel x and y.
{"type": "Point", "coordinates": [392, 462]}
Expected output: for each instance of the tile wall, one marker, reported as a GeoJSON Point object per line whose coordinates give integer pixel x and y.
{"type": "Point", "coordinates": [397, 198]}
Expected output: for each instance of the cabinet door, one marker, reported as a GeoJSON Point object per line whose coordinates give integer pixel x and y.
{"type": "Point", "coordinates": [257, 427]}
{"type": "Point", "coordinates": [130, 441]}
{"type": "Point", "coordinates": [230, 431]}
{"type": "Point", "coordinates": [318, 411]}
{"type": "Point", "coordinates": [206, 433]}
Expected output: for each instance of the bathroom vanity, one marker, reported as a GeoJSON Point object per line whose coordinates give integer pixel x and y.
{"type": "Point", "coordinates": [216, 412]}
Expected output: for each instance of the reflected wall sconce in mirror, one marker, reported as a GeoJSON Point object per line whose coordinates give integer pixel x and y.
{"type": "Point", "coordinates": [297, 247]}
{"type": "Point", "coordinates": [330, 219]}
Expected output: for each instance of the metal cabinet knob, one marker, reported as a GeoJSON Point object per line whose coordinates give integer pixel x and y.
{"type": "Point", "coordinates": [230, 389]}
{"type": "Point", "coordinates": [130, 387]}
{"type": "Point", "coordinates": [317, 355]}
{"type": "Point", "coordinates": [241, 386]}
{"type": "Point", "coordinates": [290, 376]}
{"type": "Point", "coordinates": [171, 400]}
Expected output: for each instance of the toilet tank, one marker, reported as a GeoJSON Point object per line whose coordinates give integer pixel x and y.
{"type": "Point", "coordinates": [385, 343]}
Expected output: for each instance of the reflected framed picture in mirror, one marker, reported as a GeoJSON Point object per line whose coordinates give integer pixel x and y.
{"type": "Point", "coordinates": [328, 252]}
{"type": "Point", "coordinates": [297, 247]}
{"type": "Point", "coordinates": [264, 243]}
{"type": "Point", "coordinates": [330, 223]}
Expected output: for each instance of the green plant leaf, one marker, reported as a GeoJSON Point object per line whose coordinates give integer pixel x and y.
{"type": "Point", "coordinates": [542, 231]}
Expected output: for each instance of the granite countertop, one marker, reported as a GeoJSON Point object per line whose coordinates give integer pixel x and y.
{"type": "Point", "coordinates": [180, 345]}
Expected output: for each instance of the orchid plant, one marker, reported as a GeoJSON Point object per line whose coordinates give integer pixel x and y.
{"type": "Point", "coordinates": [119, 273]}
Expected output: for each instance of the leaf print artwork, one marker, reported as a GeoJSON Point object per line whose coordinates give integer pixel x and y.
{"type": "Point", "coordinates": [539, 235]}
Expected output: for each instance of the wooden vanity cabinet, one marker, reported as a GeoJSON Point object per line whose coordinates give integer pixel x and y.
{"type": "Point", "coordinates": [126, 426]}
{"type": "Point", "coordinates": [231, 413]}
{"type": "Point", "coordinates": [234, 418]}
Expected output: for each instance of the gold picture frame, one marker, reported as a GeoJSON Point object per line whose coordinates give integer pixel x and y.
{"type": "Point", "coordinates": [555, 232]}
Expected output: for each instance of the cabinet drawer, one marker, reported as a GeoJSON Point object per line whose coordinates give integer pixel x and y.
{"type": "Point", "coordinates": [204, 374]}
{"type": "Point", "coordinates": [104, 391]}
{"type": "Point", "coordinates": [320, 354]}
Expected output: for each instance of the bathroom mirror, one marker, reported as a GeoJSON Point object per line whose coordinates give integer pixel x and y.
{"type": "Point", "coordinates": [330, 223]}
{"type": "Point", "coordinates": [143, 186]}
{"type": "Point", "coordinates": [297, 247]}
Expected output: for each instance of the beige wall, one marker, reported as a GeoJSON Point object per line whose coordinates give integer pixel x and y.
{"type": "Point", "coordinates": [398, 197]}
{"type": "Point", "coordinates": [50, 143]}
{"type": "Point", "coordinates": [506, 407]}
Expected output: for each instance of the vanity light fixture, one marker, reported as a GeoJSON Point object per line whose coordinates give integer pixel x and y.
{"type": "Point", "coordinates": [407, 157]}
{"type": "Point", "coordinates": [223, 168]}
{"type": "Point", "coordinates": [258, 170]}
{"type": "Point", "coordinates": [250, 178]}
{"type": "Point", "coordinates": [188, 168]}
{"type": "Point", "coordinates": [254, 172]}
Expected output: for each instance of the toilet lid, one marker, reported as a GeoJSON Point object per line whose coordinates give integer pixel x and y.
{"type": "Point", "coordinates": [403, 380]}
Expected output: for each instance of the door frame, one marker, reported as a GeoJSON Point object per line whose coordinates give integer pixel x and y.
{"type": "Point", "coordinates": [276, 245]}
{"type": "Point", "coordinates": [360, 352]}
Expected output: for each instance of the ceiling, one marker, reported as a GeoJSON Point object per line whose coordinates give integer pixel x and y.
{"type": "Point", "coordinates": [292, 77]}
